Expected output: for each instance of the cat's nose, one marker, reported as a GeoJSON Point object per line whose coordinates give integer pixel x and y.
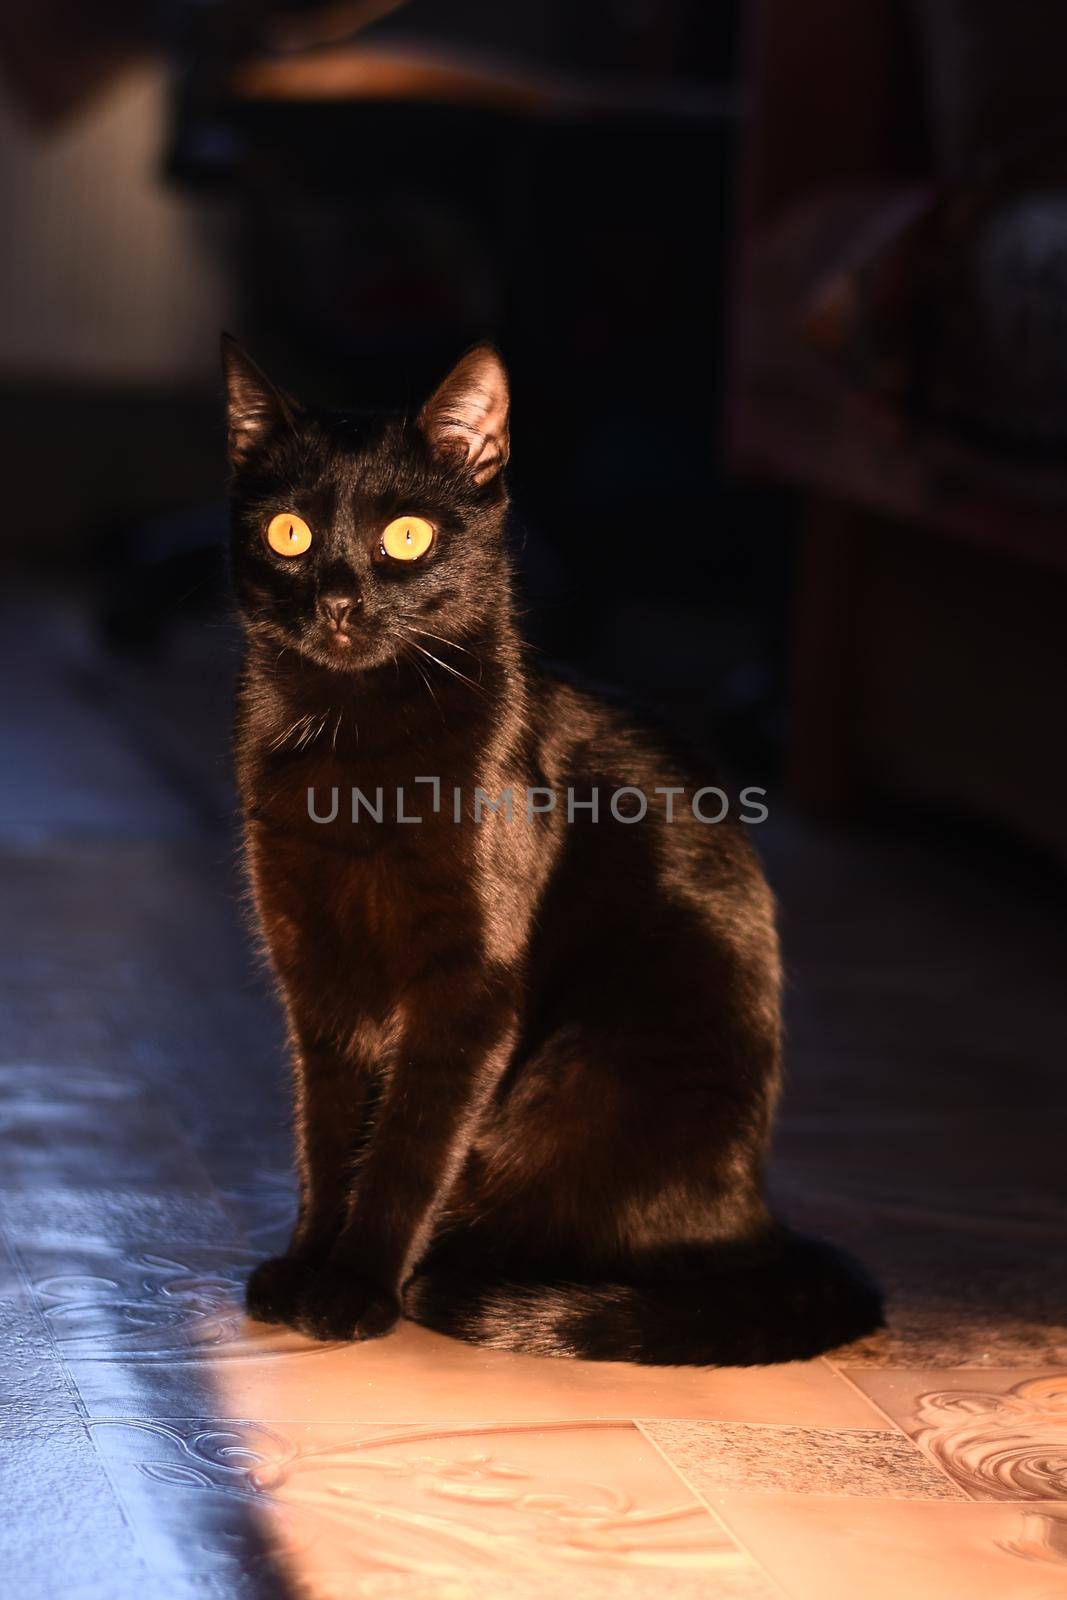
{"type": "Point", "coordinates": [339, 609]}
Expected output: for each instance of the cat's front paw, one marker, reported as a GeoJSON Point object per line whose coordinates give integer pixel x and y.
{"type": "Point", "coordinates": [338, 1304]}
{"type": "Point", "coordinates": [276, 1287]}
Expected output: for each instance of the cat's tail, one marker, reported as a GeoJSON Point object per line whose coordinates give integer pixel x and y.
{"type": "Point", "coordinates": [788, 1300]}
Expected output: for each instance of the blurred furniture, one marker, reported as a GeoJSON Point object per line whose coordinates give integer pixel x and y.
{"type": "Point", "coordinates": [410, 178]}
{"type": "Point", "coordinates": [900, 359]}
{"type": "Point", "coordinates": [58, 56]}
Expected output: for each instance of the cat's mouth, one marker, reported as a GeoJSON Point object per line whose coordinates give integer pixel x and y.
{"type": "Point", "coordinates": [345, 649]}
{"type": "Point", "coordinates": [341, 637]}
{"type": "Point", "coordinates": [339, 646]}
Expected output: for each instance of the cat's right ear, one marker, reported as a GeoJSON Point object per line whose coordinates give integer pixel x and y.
{"type": "Point", "coordinates": [255, 407]}
{"type": "Point", "coordinates": [465, 420]}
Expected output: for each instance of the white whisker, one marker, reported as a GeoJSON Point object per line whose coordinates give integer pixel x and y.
{"type": "Point", "coordinates": [453, 643]}
{"type": "Point", "coordinates": [422, 675]}
{"type": "Point", "coordinates": [462, 676]}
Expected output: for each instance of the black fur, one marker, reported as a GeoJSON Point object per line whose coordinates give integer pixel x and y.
{"type": "Point", "coordinates": [535, 1060]}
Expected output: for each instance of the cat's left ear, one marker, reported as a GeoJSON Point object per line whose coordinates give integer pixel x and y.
{"type": "Point", "coordinates": [465, 421]}
{"type": "Point", "coordinates": [255, 407]}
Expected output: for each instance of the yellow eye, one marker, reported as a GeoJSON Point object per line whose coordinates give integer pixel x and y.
{"type": "Point", "coordinates": [407, 538]}
{"type": "Point", "coordinates": [289, 534]}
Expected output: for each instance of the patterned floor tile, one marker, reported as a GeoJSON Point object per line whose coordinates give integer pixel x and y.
{"type": "Point", "coordinates": [62, 1531]}
{"type": "Point", "coordinates": [418, 1376]}
{"type": "Point", "coordinates": [13, 1287]}
{"type": "Point", "coordinates": [838, 1549]}
{"type": "Point", "coordinates": [328, 1503]}
{"type": "Point", "coordinates": [589, 1584]}
{"type": "Point", "coordinates": [998, 1435]}
{"type": "Point", "coordinates": [737, 1458]}
{"type": "Point", "coordinates": [150, 1326]}
{"type": "Point", "coordinates": [35, 1389]}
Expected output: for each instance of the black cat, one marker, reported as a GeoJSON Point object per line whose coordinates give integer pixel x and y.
{"type": "Point", "coordinates": [535, 1048]}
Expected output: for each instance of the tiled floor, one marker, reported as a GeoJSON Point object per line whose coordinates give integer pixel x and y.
{"type": "Point", "coordinates": [153, 1442]}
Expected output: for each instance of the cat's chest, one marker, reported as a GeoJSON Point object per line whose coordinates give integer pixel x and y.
{"type": "Point", "coordinates": [356, 855]}
{"type": "Point", "coordinates": [365, 852]}
{"type": "Point", "coordinates": [372, 889]}
{"type": "Point", "coordinates": [351, 928]}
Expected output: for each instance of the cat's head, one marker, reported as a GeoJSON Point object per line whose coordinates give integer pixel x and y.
{"type": "Point", "coordinates": [355, 539]}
